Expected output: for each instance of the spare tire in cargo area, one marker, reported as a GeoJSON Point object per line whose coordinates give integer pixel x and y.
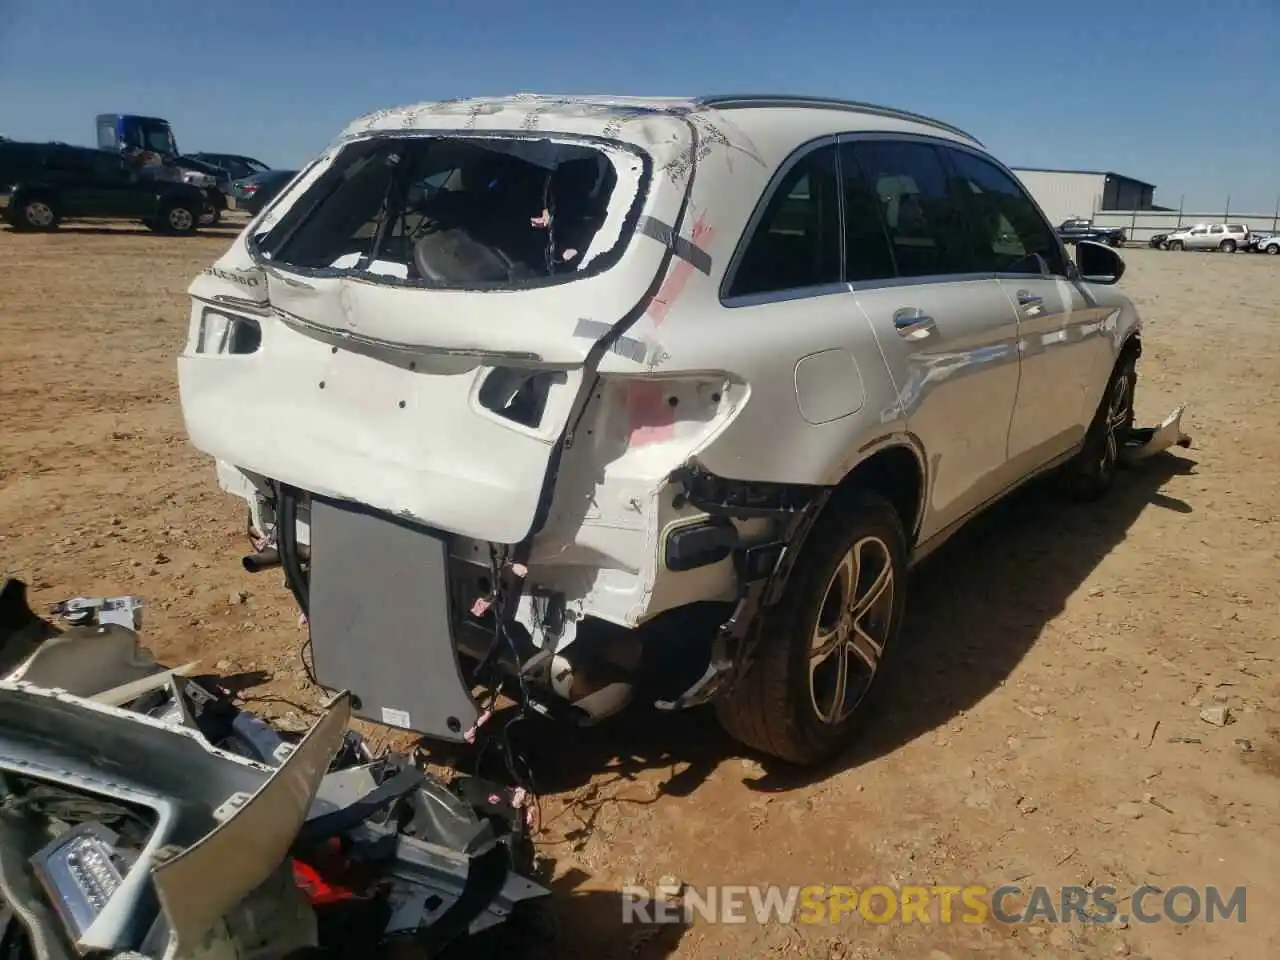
{"type": "Point", "coordinates": [453, 256]}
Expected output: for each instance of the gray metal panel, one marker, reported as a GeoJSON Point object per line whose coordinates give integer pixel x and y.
{"type": "Point", "coordinates": [1063, 194]}
{"type": "Point", "coordinates": [380, 620]}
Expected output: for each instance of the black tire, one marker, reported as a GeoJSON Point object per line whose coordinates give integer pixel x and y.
{"type": "Point", "coordinates": [1175, 244]}
{"type": "Point", "coordinates": [178, 219]}
{"type": "Point", "coordinates": [775, 707]}
{"type": "Point", "coordinates": [35, 214]}
{"type": "Point", "coordinates": [1092, 471]}
{"type": "Point", "coordinates": [1273, 249]}
{"type": "Point", "coordinates": [1227, 246]}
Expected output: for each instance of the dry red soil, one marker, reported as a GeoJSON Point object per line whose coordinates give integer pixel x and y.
{"type": "Point", "coordinates": [1045, 728]}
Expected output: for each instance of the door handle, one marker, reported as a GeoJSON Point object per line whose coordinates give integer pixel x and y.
{"type": "Point", "coordinates": [913, 324]}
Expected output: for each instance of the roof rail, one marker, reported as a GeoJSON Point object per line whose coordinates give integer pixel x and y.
{"type": "Point", "coordinates": [745, 100]}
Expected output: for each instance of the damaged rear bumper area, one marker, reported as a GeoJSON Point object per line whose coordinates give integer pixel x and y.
{"type": "Point", "coordinates": [145, 814]}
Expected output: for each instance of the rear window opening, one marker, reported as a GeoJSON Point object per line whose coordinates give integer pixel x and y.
{"type": "Point", "coordinates": [464, 211]}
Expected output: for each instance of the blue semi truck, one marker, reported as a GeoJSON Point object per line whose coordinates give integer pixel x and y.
{"type": "Point", "coordinates": [152, 139]}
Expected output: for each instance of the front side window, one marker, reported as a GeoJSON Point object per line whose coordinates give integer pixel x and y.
{"type": "Point", "coordinates": [108, 166]}
{"type": "Point", "coordinates": [463, 211]}
{"type": "Point", "coordinates": [796, 242]}
{"type": "Point", "coordinates": [1008, 233]}
{"type": "Point", "coordinates": [921, 213]}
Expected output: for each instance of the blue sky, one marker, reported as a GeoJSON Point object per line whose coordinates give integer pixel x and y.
{"type": "Point", "coordinates": [1181, 93]}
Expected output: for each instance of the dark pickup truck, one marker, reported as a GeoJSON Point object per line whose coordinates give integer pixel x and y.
{"type": "Point", "coordinates": [47, 183]}
{"type": "Point", "coordinates": [1077, 229]}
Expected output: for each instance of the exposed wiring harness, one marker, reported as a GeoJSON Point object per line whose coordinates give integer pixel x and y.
{"type": "Point", "coordinates": [488, 672]}
{"type": "Point", "coordinates": [296, 574]}
{"type": "Point", "coordinates": [297, 577]}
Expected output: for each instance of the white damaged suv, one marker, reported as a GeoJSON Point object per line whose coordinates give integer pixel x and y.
{"type": "Point", "coordinates": [503, 380]}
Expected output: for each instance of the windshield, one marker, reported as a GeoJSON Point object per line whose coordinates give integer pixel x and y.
{"type": "Point", "coordinates": [464, 211]}
{"type": "Point", "coordinates": [155, 136]}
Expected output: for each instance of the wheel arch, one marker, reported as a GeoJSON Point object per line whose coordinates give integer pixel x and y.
{"type": "Point", "coordinates": [27, 191]}
{"type": "Point", "coordinates": [893, 467]}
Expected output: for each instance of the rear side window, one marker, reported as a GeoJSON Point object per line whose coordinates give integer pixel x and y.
{"type": "Point", "coordinates": [1007, 233]}
{"type": "Point", "coordinates": [922, 216]}
{"type": "Point", "coordinates": [465, 211]}
{"type": "Point", "coordinates": [72, 161]}
{"type": "Point", "coordinates": [796, 242]}
{"type": "Point", "coordinates": [867, 254]}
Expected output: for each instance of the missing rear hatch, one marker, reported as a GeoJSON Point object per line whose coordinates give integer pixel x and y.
{"type": "Point", "coordinates": [464, 212]}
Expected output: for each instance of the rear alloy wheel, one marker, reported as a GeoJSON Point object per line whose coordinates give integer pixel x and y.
{"type": "Point", "coordinates": [824, 645]}
{"type": "Point", "coordinates": [36, 214]}
{"type": "Point", "coordinates": [1227, 246]}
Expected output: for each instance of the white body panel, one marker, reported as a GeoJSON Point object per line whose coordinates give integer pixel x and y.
{"type": "Point", "coordinates": [782, 390]}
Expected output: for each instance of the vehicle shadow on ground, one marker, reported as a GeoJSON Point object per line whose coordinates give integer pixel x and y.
{"type": "Point", "coordinates": [601, 923]}
{"type": "Point", "coordinates": [975, 609]}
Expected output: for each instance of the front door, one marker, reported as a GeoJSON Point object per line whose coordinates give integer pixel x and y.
{"type": "Point", "coordinates": [1062, 344]}
{"type": "Point", "coordinates": [1198, 239]}
{"type": "Point", "coordinates": [947, 330]}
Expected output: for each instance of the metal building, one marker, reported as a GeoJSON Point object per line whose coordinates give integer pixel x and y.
{"type": "Point", "coordinates": [1081, 193]}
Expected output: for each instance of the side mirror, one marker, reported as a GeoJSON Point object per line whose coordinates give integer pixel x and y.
{"type": "Point", "coordinates": [1098, 263]}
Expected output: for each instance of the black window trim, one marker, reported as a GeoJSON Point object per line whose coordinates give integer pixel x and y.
{"type": "Point", "coordinates": [844, 285]}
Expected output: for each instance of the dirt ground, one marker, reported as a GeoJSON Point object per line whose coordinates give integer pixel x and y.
{"type": "Point", "coordinates": [1045, 728]}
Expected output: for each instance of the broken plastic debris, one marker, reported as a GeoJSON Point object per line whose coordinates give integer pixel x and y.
{"type": "Point", "coordinates": [1148, 441]}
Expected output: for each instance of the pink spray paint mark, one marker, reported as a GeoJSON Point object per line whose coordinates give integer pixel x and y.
{"type": "Point", "coordinates": [652, 419]}
{"type": "Point", "coordinates": [677, 277]}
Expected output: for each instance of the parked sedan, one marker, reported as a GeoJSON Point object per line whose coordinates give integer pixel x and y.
{"type": "Point", "coordinates": [255, 192]}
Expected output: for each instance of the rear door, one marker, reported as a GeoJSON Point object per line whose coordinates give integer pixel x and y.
{"type": "Point", "coordinates": [945, 326]}
{"type": "Point", "coordinates": [401, 389]}
{"type": "Point", "coordinates": [80, 193]}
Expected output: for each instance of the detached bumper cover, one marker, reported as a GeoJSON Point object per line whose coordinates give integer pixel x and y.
{"type": "Point", "coordinates": [236, 804]}
{"type": "Point", "coordinates": [1146, 442]}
